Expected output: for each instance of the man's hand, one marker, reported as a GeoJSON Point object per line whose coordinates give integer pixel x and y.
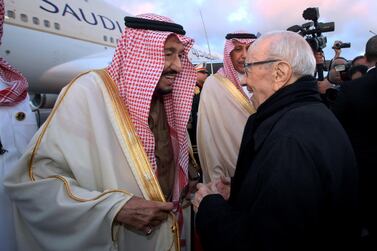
{"type": "Point", "coordinates": [203, 190]}
{"type": "Point", "coordinates": [220, 186]}
{"type": "Point", "coordinates": [337, 50]}
{"type": "Point", "coordinates": [323, 86]}
{"type": "Point", "coordinates": [143, 215]}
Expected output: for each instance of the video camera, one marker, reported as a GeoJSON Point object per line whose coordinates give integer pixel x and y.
{"type": "Point", "coordinates": [312, 31]}
{"type": "Point", "coordinates": [340, 45]}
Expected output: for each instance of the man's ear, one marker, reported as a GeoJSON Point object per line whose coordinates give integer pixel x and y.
{"type": "Point", "coordinates": [281, 75]}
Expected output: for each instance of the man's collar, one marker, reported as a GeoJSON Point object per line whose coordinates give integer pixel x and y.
{"type": "Point", "coordinates": [371, 68]}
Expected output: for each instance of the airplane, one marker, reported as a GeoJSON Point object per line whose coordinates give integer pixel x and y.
{"type": "Point", "coordinates": [52, 41]}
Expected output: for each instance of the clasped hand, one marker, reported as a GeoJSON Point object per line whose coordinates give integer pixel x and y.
{"type": "Point", "coordinates": [219, 186]}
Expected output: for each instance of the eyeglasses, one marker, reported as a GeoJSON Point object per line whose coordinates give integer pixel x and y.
{"type": "Point", "coordinates": [248, 65]}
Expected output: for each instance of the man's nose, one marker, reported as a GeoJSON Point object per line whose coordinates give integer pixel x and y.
{"type": "Point", "coordinates": [244, 53]}
{"type": "Point", "coordinates": [177, 64]}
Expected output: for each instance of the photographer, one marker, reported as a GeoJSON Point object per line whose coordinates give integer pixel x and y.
{"type": "Point", "coordinates": [337, 74]}
{"type": "Point", "coordinates": [338, 66]}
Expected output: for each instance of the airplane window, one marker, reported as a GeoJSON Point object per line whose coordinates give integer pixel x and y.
{"type": "Point", "coordinates": [24, 18]}
{"type": "Point", "coordinates": [36, 20]}
{"type": "Point", "coordinates": [105, 38]}
{"type": "Point", "coordinates": [46, 23]}
{"type": "Point", "coordinates": [11, 14]}
{"type": "Point", "coordinates": [57, 26]}
{"type": "Point", "coordinates": [111, 40]}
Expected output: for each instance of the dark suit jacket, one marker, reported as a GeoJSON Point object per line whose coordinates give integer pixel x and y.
{"type": "Point", "coordinates": [356, 109]}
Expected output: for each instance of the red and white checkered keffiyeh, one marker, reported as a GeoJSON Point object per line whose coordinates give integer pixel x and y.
{"type": "Point", "coordinates": [17, 84]}
{"type": "Point", "coordinates": [228, 70]}
{"type": "Point", "coordinates": [136, 69]}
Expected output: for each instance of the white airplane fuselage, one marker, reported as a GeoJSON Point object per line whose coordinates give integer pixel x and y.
{"type": "Point", "coordinates": [52, 41]}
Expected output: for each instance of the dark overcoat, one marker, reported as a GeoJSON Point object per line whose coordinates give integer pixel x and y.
{"type": "Point", "coordinates": [295, 185]}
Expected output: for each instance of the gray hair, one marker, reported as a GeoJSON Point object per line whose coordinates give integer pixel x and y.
{"type": "Point", "coordinates": [293, 48]}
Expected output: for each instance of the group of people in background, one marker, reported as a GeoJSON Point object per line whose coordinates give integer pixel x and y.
{"type": "Point", "coordinates": [268, 164]}
{"type": "Point", "coordinates": [340, 70]}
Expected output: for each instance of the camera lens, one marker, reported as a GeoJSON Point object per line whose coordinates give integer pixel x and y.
{"type": "Point", "coordinates": [340, 67]}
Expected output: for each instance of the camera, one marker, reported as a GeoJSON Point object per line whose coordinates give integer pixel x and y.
{"type": "Point", "coordinates": [343, 71]}
{"type": "Point", "coordinates": [312, 31]}
{"type": "Point", "coordinates": [340, 45]}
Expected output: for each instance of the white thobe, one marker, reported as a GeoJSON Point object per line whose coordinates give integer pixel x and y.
{"type": "Point", "coordinates": [82, 172]}
{"type": "Point", "coordinates": [222, 116]}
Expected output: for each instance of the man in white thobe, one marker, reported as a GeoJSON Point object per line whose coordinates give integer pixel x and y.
{"type": "Point", "coordinates": [93, 177]}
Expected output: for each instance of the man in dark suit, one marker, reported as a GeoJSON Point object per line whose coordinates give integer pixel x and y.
{"type": "Point", "coordinates": [356, 109]}
{"type": "Point", "coordinates": [295, 184]}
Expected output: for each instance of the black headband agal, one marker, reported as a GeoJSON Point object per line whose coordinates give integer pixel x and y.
{"type": "Point", "coordinates": [147, 24]}
{"type": "Point", "coordinates": [240, 36]}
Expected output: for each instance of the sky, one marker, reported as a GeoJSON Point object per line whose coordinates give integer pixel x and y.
{"type": "Point", "coordinates": [355, 20]}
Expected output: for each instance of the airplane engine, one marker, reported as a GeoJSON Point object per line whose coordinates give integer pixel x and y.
{"type": "Point", "coordinates": [43, 101]}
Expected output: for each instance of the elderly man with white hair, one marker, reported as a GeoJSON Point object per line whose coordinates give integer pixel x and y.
{"type": "Point", "coordinates": [295, 185]}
